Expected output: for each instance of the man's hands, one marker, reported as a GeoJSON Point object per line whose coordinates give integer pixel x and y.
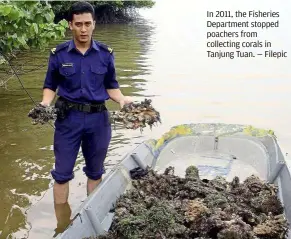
{"type": "Point", "coordinates": [44, 104]}
{"type": "Point", "coordinates": [125, 100]}
{"type": "Point", "coordinates": [42, 114]}
{"type": "Point", "coordinates": [118, 97]}
{"type": "Point", "coordinates": [48, 97]}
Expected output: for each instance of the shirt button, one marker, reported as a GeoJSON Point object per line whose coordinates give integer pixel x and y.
{"type": "Point", "coordinates": [83, 72]}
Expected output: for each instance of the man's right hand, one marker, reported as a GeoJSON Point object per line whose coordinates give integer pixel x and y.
{"type": "Point", "coordinates": [125, 100]}
{"type": "Point", "coordinates": [48, 97]}
{"type": "Point", "coordinates": [44, 104]}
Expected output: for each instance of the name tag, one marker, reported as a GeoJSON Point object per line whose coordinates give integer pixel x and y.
{"type": "Point", "coordinates": [67, 65]}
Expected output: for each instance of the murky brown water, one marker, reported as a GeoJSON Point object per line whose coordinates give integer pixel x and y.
{"type": "Point", "coordinates": [164, 59]}
{"type": "Point", "coordinates": [26, 149]}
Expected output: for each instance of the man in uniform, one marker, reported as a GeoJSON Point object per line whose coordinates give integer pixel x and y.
{"type": "Point", "coordinates": [83, 71]}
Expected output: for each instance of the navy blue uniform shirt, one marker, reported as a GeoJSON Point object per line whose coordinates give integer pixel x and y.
{"type": "Point", "coordinates": [81, 78]}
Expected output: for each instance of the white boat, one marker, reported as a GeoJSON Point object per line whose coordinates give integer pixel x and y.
{"type": "Point", "coordinates": [226, 150]}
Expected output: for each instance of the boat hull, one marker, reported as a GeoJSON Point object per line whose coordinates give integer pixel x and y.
{"type": "Point", "coordinates": [216, 149]}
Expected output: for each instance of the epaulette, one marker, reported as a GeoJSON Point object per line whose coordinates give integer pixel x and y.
{"type": "Point", "coordinates": [110, 49]}
{"type": "Point", "coordinates": [53, 50]}
{"type": "Point", "coordinates": [59, 47]}
{"type": "Point", "coordinates": [105, 47]}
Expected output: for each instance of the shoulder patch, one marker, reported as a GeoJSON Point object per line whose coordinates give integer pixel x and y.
{"type": "Point", "coordinates": [110, 49]}
{"type": "Point", "coordinates": [105, 47]}
{"type": "Point", "coordinates": [53, 50]}
{"type": "Point", "coordinates": [59, 47]}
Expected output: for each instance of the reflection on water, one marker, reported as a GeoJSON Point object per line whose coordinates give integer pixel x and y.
{"type": "Point", "coordinates": [63, 214]}
{"type": "Point", "coordinates": [27, 149]}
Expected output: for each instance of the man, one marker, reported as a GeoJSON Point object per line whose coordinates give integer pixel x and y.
{"type": "Point", "coordinates": [83, 71]}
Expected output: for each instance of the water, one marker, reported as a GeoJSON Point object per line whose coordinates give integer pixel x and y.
{"type": "Point", "coordinates": [162, 58]}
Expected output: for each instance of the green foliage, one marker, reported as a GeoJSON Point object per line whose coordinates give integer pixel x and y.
{"type": "Point", "coordinates": [106, 11]}
{"type": "Point", "coordinates": [138, 4]}
{"type": "Point", "coordinates": [27, 24]}
{"type": "Point", "coordinates": [63, 6]}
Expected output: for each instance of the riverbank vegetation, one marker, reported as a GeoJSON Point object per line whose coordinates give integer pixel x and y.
{"type": "Point", "coordinates": [33, 24]}
{"type": "Point", "coordinates": [118, 11]}
{"type": "Point", "coordinates": [26, 25]}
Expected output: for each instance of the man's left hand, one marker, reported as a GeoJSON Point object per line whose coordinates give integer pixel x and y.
{"type": "Point", "coordinates": [125, 100]}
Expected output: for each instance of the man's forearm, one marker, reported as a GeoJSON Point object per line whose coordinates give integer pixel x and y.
{"type": "Point", "coordinates": [115, 95]}
{"type": "Point", "coordinates": [48, 96]}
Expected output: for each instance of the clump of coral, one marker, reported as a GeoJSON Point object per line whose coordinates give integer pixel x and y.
{"type": "Point", "coordinates": [167, 206]}
{"type": "Point", "coordinates": [137, 115]}
{"type": "Point", "coordinates": [41, 114]}
{"type": "Point", "coordinates": [133, 115]}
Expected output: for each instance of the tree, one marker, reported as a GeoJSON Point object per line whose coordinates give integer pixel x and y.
{"type": "Point", "coordinates": [106, 11]}
{"type": "Point", "coordinates": [27, 24]}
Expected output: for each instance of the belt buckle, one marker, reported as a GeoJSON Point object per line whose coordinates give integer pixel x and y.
{"type": "Point", "coordinates": [86, 108]}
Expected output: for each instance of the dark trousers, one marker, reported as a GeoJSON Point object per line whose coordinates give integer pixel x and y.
{"type": "Point", "coordinates": [91, 132]}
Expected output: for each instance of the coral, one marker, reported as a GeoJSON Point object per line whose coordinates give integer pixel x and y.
{"type": "Point", "coordinates": [42, 114]}
{"type": "Point", "coordinates": [137, 115]}
{"type": "Point", "coordinates": [168, 206]}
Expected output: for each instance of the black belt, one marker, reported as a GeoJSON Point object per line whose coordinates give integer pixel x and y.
{"type": "Point", "coordinates": [90, 108]}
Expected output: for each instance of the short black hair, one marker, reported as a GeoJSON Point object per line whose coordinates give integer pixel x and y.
{"type": "Point", "coordinates": [80, 8]}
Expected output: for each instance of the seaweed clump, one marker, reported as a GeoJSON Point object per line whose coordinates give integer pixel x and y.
{"type": "Point", "coordinates": [168, 206]}
{"type": "Point", "coordinates": [41, 114]}
{"type": "Point", "coordinates": [137, 115]}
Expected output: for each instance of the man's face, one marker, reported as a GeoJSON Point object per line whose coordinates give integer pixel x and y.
{"type": "Point", "coordinates": [82, 27]}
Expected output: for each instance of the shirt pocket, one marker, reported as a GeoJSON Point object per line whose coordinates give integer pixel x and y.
{"type": "Point", "coordinates": [98, 74]}
{"type": "Point", "coordinates": [70, 79]}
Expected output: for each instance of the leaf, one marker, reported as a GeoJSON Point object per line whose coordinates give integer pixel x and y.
{"type": "Point", "coordinates": [48, 17]}
{"type": "Point", "coordinates": [22, 41]}
{"type": "Point", "coordinates": [35, 27]}
{"type": "Point", "coordinates": [64, 23]}
{"type": "Point", "coordinates": [38, 18]}
{"type": "Point", "coordinates": [25, 46]}
{"type": "Point", "coordinates": [14, 14]}
{"type": "Point", "coordinates": [5, 10]}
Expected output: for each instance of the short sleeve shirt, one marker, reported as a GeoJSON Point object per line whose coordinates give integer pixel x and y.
{"type": "Point", "coordinates": [82, 78]}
